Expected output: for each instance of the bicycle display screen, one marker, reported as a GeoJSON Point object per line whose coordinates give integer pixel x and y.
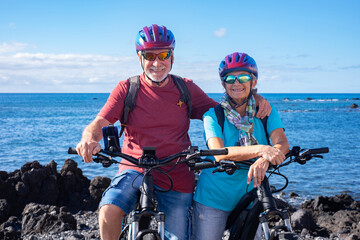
{"type": "Point", "coordinates": [111, 138]}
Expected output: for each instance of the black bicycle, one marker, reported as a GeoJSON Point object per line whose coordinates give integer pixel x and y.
{"type": "Point", "coordinates": [145, 221]}
{"type": "Point", "coordinates": [243, 222]}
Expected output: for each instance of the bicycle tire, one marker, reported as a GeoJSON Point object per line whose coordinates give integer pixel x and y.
{"type": "Point", "coordinates": [147, 231]}
{"type": "Point", "coordinates": [287, 236]}
{"type": "Point", "coordinates": [147, 235]}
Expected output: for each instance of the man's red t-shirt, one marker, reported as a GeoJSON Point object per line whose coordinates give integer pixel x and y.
{"type": "Point", "coordinates": [158, 120]}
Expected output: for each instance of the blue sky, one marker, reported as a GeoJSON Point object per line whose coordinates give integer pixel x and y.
{"type": "Point", "coordinates": [88, 46]}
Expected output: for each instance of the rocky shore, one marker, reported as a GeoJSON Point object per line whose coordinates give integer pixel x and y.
{"type": "Point", "coordinates": [38, 202]}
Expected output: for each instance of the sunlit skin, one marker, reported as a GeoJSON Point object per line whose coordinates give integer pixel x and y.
{"type": "Point", "coordinates": [158, 69]}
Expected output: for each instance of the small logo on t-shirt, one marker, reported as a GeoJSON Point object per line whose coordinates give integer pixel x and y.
{"type": "Point", "coordinates": [180, 103]}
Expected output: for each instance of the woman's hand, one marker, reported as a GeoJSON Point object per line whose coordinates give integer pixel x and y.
{"type": "Point", "coordinates": [272, 155]}
{"type": "Point", "coordinates": [257, 171]}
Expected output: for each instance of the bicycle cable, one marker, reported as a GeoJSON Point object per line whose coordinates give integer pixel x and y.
{"type": "Point", "coordinates": [145, 190]}
{"type": "Point", "coordinates": [169, 177]}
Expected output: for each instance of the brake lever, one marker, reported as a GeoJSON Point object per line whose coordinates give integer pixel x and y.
{"type": "Point", "coordinates": [191, 159]}
{"type": "Point", "coordinates": [219, 169]}
{"type": "Point", "coordinates": [105, 160]}
{"type": "Point", "coordinates": [226, 166]}
{"type": "Point", "coordinates": [303, 159]}
{"type": "Point", "coordinates": [107, 163]}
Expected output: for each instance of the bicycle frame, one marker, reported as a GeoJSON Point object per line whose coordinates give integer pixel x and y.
{"type": "Point", "coordinates": [243, 223]}
{"type": "Point", "coordinates": [147, 206]}
{"type": "Point", "coordinates": [138, 220]}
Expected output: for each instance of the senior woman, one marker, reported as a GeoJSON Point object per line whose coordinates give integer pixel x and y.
{"type": "Point", "coordinates": [245, 137]}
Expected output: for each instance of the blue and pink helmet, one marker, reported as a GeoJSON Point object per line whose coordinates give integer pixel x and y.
{"type": "Point", "coordinates": [154, 37]}
{"type": "Point", "coordinates": [237, 62]}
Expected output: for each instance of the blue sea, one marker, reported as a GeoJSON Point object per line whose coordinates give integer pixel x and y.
{"type": "Point", "coordinates": [42, 126]}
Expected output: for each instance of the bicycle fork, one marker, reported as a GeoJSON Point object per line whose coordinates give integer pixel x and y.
{"type": "Point", "coordinates": [147, 211]}
{"type": "Point", "coordinates": [270, 209]}
{"type": "Point", "coordinates": [136, 233]}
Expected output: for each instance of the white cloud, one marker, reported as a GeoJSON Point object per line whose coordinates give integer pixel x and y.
{"type": "Point", "coordinates": [22, 71]}
{"type": "Point", "coordinates": [94, 80]}
{"type": "Point", "coordinates": [220, 32]}
{"type": "Point", "coordinates": [12, 47]}
{"type": "Point", "coordinates": [58, 72]}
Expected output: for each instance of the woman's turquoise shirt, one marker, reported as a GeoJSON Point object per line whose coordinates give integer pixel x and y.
{"type": "Point", "coordinates": [220, 190]}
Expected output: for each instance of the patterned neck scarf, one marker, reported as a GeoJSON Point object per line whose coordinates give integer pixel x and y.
{"type": "Point", "coordinates": [245, 124]}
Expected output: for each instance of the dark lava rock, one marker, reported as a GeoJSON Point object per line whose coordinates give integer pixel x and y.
{"type": "Point", "coordinates": [87, 228]}
{"type": "Point", "coordinates": [97, 186]}
{"type": "Point", "coordinates": [354, 105]}
{"type": "Point", "coordinates": [38, 218]}
{"type": "Point", "coordinates": [4, 210]}
{"type": "Point", "coordinates": [45, 199]}
{"type": "Point", "coordinates": [293, 195]}
{"type": "Point", "coordinates": [303, 219]}
{"type": "Point", "coordinates": [339, 215]}
{"type": "Point", "coordinates": [328, 204]}
{"type": "Point", "coordinates": [11, 229]}
{"type": "Point", "coordinates": [37, 202]}
{"type": "Point", "coordinates": [35, 183]}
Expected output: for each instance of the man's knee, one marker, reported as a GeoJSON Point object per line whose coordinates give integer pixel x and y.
{"type": "Point", "coordinates": [110, 214]}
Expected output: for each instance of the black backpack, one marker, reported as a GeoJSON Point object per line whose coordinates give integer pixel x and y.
{"type": "Point", "coordinates": [134, 84]}
{"type": "Point", "coordinates": [219, 112]}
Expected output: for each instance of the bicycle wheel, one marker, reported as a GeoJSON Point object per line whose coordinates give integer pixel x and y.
{"type": "Point", "coordinates": [286, 236]}
{"type": "Point", "coordinates": [145, 234]}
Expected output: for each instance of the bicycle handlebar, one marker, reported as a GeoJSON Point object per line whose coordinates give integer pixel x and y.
{"type": "Point", "coordinates": [301, 156]}
{"type": "Point", "coordinates": [149, 158]}
{"type": "Point", "coordinates": [296, 154]}
{"type": "Point", "coordinates": [214, 152]}
{"type": "Point", "coordinates": [318, 150]}
{"type": "Point", "coordinates": [72, 150]}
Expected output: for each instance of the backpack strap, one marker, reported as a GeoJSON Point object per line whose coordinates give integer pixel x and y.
{"type": "Point", "coordinates": [264, 123]}
{"type": "Point", "coordinates": [219, 112]}
{"type": "Point", "coordinates": [184, 92]}
{"type": "Point", "coordinates": [130, 100]}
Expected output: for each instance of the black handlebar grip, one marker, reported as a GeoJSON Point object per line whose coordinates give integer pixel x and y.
{"type": "Point", "coordinates": [72, 150]}
{"type": "Point", "coordinates": [203, 165]}
{"type": "Point", "coordinates": [213, 152]}
{"type": "Point", "coordinates": [318, 150]}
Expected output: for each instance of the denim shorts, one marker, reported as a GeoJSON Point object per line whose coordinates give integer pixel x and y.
{"type": "Point", "coordinates": [123, 190]}
{"type": "Point", "coordinates": [124, 193]}
{"type": "Point", "coordinates": [208, 223]}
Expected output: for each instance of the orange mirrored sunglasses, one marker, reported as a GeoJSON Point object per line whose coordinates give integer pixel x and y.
{"type": "Point", "coordinates": [152, 56]}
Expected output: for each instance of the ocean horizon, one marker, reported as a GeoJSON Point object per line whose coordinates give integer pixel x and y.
{"type": "Point", "coordinates": [41, 127]}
